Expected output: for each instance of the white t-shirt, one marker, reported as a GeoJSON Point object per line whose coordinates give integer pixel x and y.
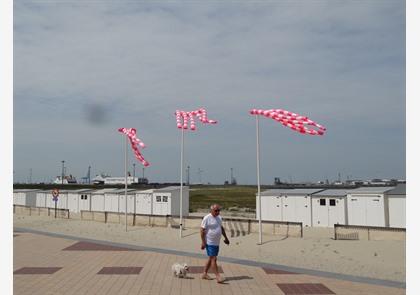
{"type": "Point", "coordinates": [213, 228]}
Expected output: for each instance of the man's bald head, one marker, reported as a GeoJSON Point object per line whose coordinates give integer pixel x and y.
{"type": "Point", "coordinates": [214, 206]}
{"type": "Point", "coordinates": [215, 209]}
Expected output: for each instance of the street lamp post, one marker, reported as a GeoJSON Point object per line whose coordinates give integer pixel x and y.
{"type": "Point", "coordinates": [62, 172]}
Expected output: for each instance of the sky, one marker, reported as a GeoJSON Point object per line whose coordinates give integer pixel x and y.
{"type": "Point", "coordinates": [84, 69]}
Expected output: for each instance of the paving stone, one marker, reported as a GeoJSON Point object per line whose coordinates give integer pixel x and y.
{"type": "Point", "coordinates": [304, 289]}
{"type": "Point", "coordinates": [87, 246]}
{"type": "Point", "coordinates": [120, 270]}
{"type": "Point", "coordinates": [36, 270]}
{"type": "Point", "coordinates": [277, 271]}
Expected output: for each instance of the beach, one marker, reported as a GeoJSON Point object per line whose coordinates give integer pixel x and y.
{"type": "Point", "coordinates": [316, 250]}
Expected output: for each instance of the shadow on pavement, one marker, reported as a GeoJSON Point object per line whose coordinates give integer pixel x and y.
{"type": "Point", "coordinates": [238, 278]}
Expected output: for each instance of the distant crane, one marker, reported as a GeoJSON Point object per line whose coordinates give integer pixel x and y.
{"type": "Point", "coordinates": [86, 179]}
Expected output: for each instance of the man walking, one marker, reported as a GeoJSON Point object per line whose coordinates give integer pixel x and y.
{"type": "Point", "coordinates": [211, 232]}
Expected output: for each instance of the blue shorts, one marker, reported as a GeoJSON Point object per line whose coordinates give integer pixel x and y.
{"type": "Point", "coordinates": [212, 250]}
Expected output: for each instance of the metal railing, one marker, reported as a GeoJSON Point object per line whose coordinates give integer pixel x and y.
{"type": "Point", "coordinates": [355, 236]}
{"type": "Point", "coordinates": [50, 211]}
{"type": "Point", "coordinates": [167, 218]}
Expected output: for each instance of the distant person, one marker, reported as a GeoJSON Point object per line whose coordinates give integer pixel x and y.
{"type": "Point", "coordinates": [211, 232]}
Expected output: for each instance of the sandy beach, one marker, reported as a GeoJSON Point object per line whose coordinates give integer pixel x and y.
{"type": "Point", "coordinates": [316, 250]}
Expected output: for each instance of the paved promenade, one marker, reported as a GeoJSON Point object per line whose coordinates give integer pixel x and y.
{"type": "Point", "coordinates": [45, 264]}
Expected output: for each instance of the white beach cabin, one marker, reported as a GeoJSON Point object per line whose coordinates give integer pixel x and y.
{"type": "Point", "coordinates": [329, 208]}
{"type": "Point", "coordinates": [292, 205]}
{"type": "Point", "coordinates": [111, 201]}
{"type": "Point", "coordinates": [61, 199]}
{"type": "Point", "coordinates": [144, 202]}
{"type": "Point", "coordinates": [297, 206]}
{"type": "Point", "coordinates": [115, 200]}
{"type": "Point", "coordinates": [25, 197]}
{"type": "Point", "coordinates": [396, 206]}
{"type": "Point", "coordinates": [271, 204]}
{"type": "Point", "coordinates": [131, 201]}
{"type": "Point", "coordinates": [367, 206]}
{"type": "Point", "coordinates": [76, 197]}
{"type": "Point", "coordinates": [85, 200]}
{"type": "Point", "coordinates": [98, 199]}
{"type": "Point", "coordinates": [166, 201]}
{"type": "Point", "coordinates": [41, 198]}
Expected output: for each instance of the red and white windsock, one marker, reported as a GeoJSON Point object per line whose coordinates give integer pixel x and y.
{"type": "Point", "coordinates": [183, 117]}
{"type": "Point", "coordinates": [294, 121]}
{"type": "Point", "coordinates": [136, 144]}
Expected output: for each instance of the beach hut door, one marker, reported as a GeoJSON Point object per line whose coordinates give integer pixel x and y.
{"type": "Point", "coordinates": [374, 214]}
{"type": "Point", "coordinates": [323, 212]}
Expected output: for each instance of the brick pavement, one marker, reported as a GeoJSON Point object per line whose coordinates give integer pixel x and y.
{"type": "Point", "coordinates": [79, 267]}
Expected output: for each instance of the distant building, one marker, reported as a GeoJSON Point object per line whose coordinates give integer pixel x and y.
{"type": "Point", "coordinates": [105, 179]}
{"type": "Point", "coordinates": [142, 180]}
{"type": "Point", "coordinates": [70, 179]}
{"type": "Point", "coordinates": [378, 181]}
{"type": "Point", "coordinates": [121, 180]}
{"type": "Point", "coordinates": [99, 179]}
{"type": "Point", "coordinates": [357, 182]}
{"type": "Point", "coordinates": [277, 181]}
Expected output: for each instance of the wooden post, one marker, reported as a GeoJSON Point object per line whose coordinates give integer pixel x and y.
{"type": "Point", "coordinates": [335, 232]}
{"type": "Point", "coordinates": [301, 229]}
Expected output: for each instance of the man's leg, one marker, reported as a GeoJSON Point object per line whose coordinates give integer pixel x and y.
{"type": "Point", "coordinates": [208, 264]}
{"type": "Point", "coordinates": [216, 270]}
{"type": "Point", "coordinates": [206, 269]}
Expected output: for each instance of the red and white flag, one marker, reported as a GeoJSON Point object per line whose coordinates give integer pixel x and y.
{"type": "Point", "coordinates": [136, 144]}
{"type": "Point", "coordinates": [294, 121]}
{"type": "Point", "coordinates": [182, 118]}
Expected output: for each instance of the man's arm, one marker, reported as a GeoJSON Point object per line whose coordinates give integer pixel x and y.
{"type": "Point", "coordinates": [225, 236]}
{"type": "Point", "coordinates": [203, 238]}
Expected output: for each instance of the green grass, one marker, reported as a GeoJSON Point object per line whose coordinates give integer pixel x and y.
{"type": "Point", "coordinates": [201, 197]}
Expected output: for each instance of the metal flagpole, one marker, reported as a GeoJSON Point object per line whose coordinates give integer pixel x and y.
{"type": "Point", "coordinates": [125, 172]}
{"type": "Point", "coordinates": [181, 182]}
{"type": "Point", "coordinates": [258, 181]}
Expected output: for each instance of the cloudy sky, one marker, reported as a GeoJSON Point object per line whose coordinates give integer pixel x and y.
{"type": "Point", "coordinates": [82, 69]}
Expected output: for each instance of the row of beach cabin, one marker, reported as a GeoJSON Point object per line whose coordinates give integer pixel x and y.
{"type": "Point", "coordinates": [365, 206]}
{"type": "Point", "coordinates": [163, 201]}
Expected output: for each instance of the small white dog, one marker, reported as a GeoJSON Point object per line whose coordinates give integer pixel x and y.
{"type": "Point", "coordinates": [180, 270]}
